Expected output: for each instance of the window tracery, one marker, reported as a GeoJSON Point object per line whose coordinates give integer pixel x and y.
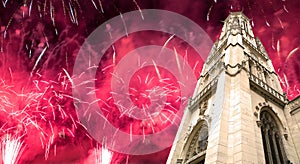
{"type": "Point", "coordinates": [272, 141]}
{"type": "Point", "coordinates": [198, 143]}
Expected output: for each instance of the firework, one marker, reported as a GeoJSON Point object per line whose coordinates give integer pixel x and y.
{"type": "Point", "coordinates": [11, 149]}
{"type": "Point", "coordinates": [39, 41]}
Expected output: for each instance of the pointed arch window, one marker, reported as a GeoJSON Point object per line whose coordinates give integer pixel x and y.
{"type": "Point", "coordinates": [272, 141]}
{"type": "Point", "coordinates": [197, 147]}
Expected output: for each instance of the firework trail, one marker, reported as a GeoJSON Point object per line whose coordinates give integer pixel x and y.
{"type": "Point", "coordinates": [11, 149]}
{"type": "Point", "coordinates": [103, 155]}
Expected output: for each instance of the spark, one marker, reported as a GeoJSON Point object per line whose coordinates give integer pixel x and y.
{"type": "Point", "coordinates": [286, 82]}
{"type": "Point", "coordinates": [140, 80]}
{"type": "Point", "coordinates": [124, 24]}
{"type": "Point", "coordinates": [139, 9]}
{"type": "Point", "coordinates": [177, 61]}
{"type": "Point", "coordinates": [38, 60]}
{"type": "Point", "coordinates": [170, 111]}
{"type": "Point", "coordinates": [119, 78]}
{"type": "Point", "coordinates": [51, 127]}
{"type": "Point", "coordinates": [23, 14]}
{"type": "Point", "coordinates": [82, 126]}
{"type": "Point", "coordinates": [116, 131]}
{"type": "Point", "coordinates": [30, 7]}
{"type": "Point", "coordinates": [54, 150]}
{"type": "Point", "coordinates": [178, 99]}
{"type": "Point", "coordinates": [78, 5]}
{"type": "Point", "coordinates": [100, 4]}
{"type": "Point", "coordinates": [52, 14]}
{"type": "Point", "coordinates": [39, 9]}
{"type": "Point", "coordinates": [46, 39]}
{"type": "Point", "coordinates": [130, 132]}
{"type": "Point", "coordinates": [157, 70]}
{"type": "Point", "coordinates": [47, 150]}
{"type": "Point", "coordinates": [166, 117]}
{"type": "Point", "coordinates": [85, 82]}
{"type": "Point", "coordinates": [139, 61]}
{"type": "Point", "coordinates": [56, 31]}
{"type": "Point", "coordinates": [70, 131]}
{"type": "Point", "coordinates": [144, 136]}
{"type": "Point", "coordinates": [64, 8]}
{"type": "Point", "coordinates": [252, 23]}
{"type": "Point", "coordinates": [69, 77]}
{"type": "Point", "coordinates": [152, 127]}
{"type": "Point", "coordinates": [290, 54]}
{"type": "Point", "coordinates": [280, 22]}
{"type": "Point", "coordinates": [73, 14]}
{"type": "Point", "coordinates": [127, 159]}
{"type": "Point", "coordinates": [114, 55]}
{"type": "Point", "coordinates": [267, 23]}
{"type": "Point", "coordinates": [42, 143]}
{"type": "Point", "coordinates": [45, 4]}
{"type": "Point", "coordinates": [167, 41]}
{"type": "Point", "coordinates": [285, 9]}
{"type": "Point", "coordinates": [278, 48]}
{"type": "Point", "coordinates": [94, 5]}
{"type": "Point", "coordinates": [101, 7]}
{"type": "Point", "coordinates": [185, 59]}
{"type": "Point", "coordinates": [208, 13]}
{"type": "Point", "coordinates": [124, 111]}
{"type": "Point", "coordinates": [10, 73]}
{"type": "Point", "coordinates": [7, 26]}
{"type": "Point", "coordinates": [195, 66]}
{"type": "Point", "coordinates": [36, 83]}
{"type": "Point", "coordinates": [149, 82]}
{"type": "Point", "coordinates": [4, 3]}
{"type": "Point", "coordinates": [272, 41]}
{"type": "Point", "coordinates": [104, 117]}
{"type": "Point", "coordinates": [74, 123]}
{"type": "Point", "coordinates": [146, 79]}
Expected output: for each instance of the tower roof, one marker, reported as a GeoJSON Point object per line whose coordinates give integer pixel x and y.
{"type": "Point", "coordinates": [234, 14]}
{"type": "Point", "coordinates": [236, 21]}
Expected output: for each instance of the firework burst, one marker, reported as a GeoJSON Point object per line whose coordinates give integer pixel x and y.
{"type": "Point", "coordinates": [11, 149]}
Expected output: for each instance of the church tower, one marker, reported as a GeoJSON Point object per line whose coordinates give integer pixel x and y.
{"type": "Point", "coordinates": [238, 113]}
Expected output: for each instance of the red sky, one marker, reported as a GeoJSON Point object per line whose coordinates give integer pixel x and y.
{"type": "Point", "coordinates": [57, 29]}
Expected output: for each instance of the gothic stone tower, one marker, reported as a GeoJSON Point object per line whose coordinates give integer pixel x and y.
{"type": "Point", "coordinates": [239, 113]}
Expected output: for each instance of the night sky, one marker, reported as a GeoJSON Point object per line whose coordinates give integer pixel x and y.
{"type": "Point", "coordinates": [40, 40]}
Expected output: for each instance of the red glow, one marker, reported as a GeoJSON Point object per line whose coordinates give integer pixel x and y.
{"type": "Point", "coordinates": [36, 92]}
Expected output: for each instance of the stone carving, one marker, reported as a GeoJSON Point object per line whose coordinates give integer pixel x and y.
{"type": "Point", "coordinates": [260, 47]}
{"type": "Point", "coordinates": [295, 104]}
{"type": "Point", "coordinates": [203, 106]}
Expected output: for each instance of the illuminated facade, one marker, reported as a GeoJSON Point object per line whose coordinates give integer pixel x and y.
{"type": "Point", "coordinates": [239, 113]}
